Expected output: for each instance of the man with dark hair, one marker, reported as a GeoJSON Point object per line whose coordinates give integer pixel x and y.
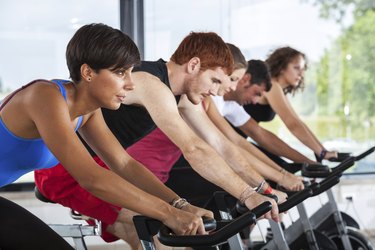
{"type": "Point", "coordinates": [249, 89]}
{"type": "Point", "coordinates": [221, 136]}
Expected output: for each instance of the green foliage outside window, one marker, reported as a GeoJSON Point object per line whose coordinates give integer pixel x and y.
{"type": "Point", "coordinates": [342, 82]}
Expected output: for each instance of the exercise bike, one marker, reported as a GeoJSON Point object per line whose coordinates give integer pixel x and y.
{"type": "Point", "coordinates": [328, 221]}
{"type": "Point", "coordinates": [222, 230]}
{"type": "Point", "coordinates": [305, 237]}
{"type": "Point", "coordinates": [75, 231]}
{"type": "Point", "coordinates": [337, 225]}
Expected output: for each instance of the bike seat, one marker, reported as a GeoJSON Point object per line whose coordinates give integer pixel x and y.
{"type": "Point", "coordinates": [74, 214]}
{"type": "Point", "coordinates": [41, 197]}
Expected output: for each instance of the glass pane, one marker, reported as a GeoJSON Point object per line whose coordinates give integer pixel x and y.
{"type": "Point", "coordinates": [34, 35]}
{"type": "Point", "coordinates": [338, 100]}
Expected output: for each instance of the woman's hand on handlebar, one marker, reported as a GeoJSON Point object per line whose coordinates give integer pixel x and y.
{"type": "Point", "coordinates": [330, 155]}
{"type": "Point", "coordinates": [281, 196]}
{"type": "Point", "coordinates": [257, 199]}
{"type": "Point", "coordinates": [201, 212]}
{"type": "Point", "coordinates": [291, 182]}
{"type": "Point", "coordinates": [184, 223]}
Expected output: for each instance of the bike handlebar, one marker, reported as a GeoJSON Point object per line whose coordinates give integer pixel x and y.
{"type": "Point", "coordinates": [226, 230]}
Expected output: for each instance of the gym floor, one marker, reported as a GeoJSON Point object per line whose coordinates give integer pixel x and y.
{"type": "Point", "coordinates": [354, 196]}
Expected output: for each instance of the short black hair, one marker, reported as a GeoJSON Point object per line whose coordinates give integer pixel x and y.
{"type": "Point", "coordinates": [259, 72]}
{"type": "Point", "coordinates": [100, 47]}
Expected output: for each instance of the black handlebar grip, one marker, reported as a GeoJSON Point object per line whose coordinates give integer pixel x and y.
{"type": "Point", "coordinates": [340, 157]}
{"type": "Point", "coordinates": [364, 154]}
{"type": "Point", "coordinates": [344, 165]}
{"type": "Point", "coordinates": [327, 184]}
{"type": "Point", "coordinates": [262, 209]}
{"type": "Point", "coordinates": [272, 196]}
{"type": "Point", "coordinates": [315, 170]}
{"type": "Point", "coordinates": [295, 199]}
{"type": "Point", "coordinates": [258, 211]}
{"type": "Point", "coordinates": [219, 236]}
{"type": "Point", "coordinates": [209, 223]}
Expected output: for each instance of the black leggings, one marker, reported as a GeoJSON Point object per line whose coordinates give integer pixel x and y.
{"type": "Point", "coordinates": [21, 230]}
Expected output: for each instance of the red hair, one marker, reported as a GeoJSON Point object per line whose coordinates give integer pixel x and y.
{"type": "Point", "coordinates": [208, 47]}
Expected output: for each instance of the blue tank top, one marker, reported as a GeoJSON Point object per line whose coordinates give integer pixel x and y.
{"type": "Point", "coordinates": [19, 156]}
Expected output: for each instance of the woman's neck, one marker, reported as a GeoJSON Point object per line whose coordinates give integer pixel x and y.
{"type": "Point", "coordinates": [281, 81]}
{"type": "Point", "coordinates": [79, 102]}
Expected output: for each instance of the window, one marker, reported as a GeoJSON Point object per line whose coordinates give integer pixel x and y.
{"type": "Point", "coordinates": [338, 100]}
{"type": "Point", "coordinates": [34, 35]}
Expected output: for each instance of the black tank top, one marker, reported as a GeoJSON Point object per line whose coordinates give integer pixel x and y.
{"type": "Point", "coordinates": [260, 112]}
{"type": "Point", "coordinates": [131, 123]}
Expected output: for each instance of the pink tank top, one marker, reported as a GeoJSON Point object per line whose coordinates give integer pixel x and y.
{"type": "Point", "coordinates": [157, 152]}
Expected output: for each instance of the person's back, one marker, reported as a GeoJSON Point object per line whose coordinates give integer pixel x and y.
{"type": "Point", "coordinates": [19, 156]}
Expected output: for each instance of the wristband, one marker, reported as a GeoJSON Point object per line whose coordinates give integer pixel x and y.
{"type": "Point", "coordinates": [174, 200]}
{"type": "Point", "coordinates": [246, 193]}
{"type": "Point", "coordinates": [260, 187]}
{"type": "Point", "coordinates": [322, 154]}
{"type": "Point", "coordinates": [268, 190]}
{"type": "Point", "coordinates": [179, 203]}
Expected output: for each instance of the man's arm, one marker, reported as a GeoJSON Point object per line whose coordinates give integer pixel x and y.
{"type": "Point", "coordinates": [105, 144]}
{"type": "Point", "coordinates": [219, 121]}
{"type": "Point", "coordinates": [161, 105]}
{"type": "Point", "coordinates": [54, 124]}
{"type": "Point", "coordinates": [197, 118]}
{"type": "Point", "coordinates": [280, 104]}
{"type": "Point", "coordinates": [263, 165]}
{"type": "Point", "coordinates": [271, 142]}
{"type": "Point", "coordinates": [100, 138]}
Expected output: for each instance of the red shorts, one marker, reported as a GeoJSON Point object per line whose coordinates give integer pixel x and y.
{"type": "Point", "coordinates": [155, 151]}
{"type": "Point", "coordinates": [59, 186]}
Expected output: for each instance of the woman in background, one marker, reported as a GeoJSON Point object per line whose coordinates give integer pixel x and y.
{"type": "Point", "coordinates": [287, 67]}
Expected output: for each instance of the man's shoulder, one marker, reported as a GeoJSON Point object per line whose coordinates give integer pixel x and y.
{"type": "Point", "coordinates": [234, 106]}
{"type": "Point", "coordinates": [153, 67]}
{"type": "Point", "coordinates": [152, 71]}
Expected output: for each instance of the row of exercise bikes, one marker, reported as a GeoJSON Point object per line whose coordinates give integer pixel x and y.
{"type": "Point", "coordinates": [327, 228]}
